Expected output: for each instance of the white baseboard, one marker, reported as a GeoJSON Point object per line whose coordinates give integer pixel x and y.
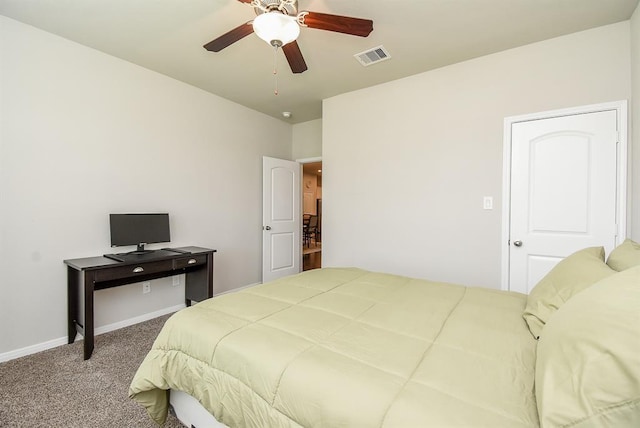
{"type": "Point", "coordinates": [135, 320]}
{"type": "Point", "coordinates": [99, 330]}
{"type": "Point", "coordinates": [238, 289]}
{"type": "Point", "coordinates": [32, 349]}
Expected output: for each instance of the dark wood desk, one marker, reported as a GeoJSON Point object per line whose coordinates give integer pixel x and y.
{"type": "Point", "coordinates": [86, 275]}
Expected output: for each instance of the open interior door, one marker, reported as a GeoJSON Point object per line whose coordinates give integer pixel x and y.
{"type": "Point", "coordinates": [281, 239]}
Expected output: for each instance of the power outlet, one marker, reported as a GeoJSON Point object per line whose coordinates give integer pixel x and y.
{"type": "Point", "coordinates": [176, 280]}
{"type": "Point", "coordinates": [146, 287]}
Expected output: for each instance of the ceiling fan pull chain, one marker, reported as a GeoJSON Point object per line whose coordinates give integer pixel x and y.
{"type": "Point", "coordinates": [275, 69]}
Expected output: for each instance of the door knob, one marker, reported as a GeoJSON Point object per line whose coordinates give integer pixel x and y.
{"type": "Point", "coordinates": [267, 228]}
{"type": "Point", "coordinates": [517, 243]}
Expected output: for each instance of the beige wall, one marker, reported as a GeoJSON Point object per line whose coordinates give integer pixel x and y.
{"type": "Point", "coordinates": [634, 155]}
{"type": "Point", "coordinates": [406, 195]}
{"type": "Point", "coordinates": [307, 140]}
{"type": "Point", "coordinates": [85, 134]}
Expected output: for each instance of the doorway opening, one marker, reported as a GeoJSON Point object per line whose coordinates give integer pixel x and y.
{"type": "Point", "coordinates": [311, 215]}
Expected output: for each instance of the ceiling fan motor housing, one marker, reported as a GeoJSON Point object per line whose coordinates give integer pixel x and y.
{"type": "Point", "coordinates": [288, 7]}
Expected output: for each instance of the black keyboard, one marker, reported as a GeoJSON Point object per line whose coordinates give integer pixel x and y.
{"type": "Point", "coordinates": [132, 257]}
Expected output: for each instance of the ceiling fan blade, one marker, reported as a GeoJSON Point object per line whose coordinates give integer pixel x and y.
{"type": "Point", "coordinates": [229, 38]}
{"type": "Point", "coordinates": [294, 57]}
{"type": "Point", "coordinates": [337, 23]}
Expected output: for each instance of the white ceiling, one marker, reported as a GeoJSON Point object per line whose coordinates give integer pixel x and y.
{"type": "Point", "coordinates": [167, 36]}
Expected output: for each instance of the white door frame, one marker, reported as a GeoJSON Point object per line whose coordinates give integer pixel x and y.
{"type": "Point", "coordinates": [621, 197]}
{"type": "Point", "coordinates": [310, 160]}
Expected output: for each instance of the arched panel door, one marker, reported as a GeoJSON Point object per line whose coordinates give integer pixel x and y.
{"type": "Point", "coordinates": [563, 191]}
{"type": "Point", "coordinates": [281, 237]}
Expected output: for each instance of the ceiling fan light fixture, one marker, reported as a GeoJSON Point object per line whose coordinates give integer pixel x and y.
{"type": "Point", "coordinates": [275, 28]}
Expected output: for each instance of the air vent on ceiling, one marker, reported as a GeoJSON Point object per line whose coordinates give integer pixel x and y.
{"type": "Point", "coordinates": [372, 56]}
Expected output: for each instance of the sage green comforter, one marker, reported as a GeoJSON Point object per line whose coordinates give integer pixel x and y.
{"type": "Point", "coordinates": [348, 348]}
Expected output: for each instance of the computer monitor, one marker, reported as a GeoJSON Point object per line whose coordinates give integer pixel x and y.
{"type": "Point", "coordinates": [139, 229]}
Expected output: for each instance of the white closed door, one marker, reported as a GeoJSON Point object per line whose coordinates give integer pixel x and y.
{"type": "Point", "coordinates": [563, 191]}
{"type": "Point", "coordinates": [281, 235]}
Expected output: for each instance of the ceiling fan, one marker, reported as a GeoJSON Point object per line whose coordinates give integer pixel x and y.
{"type": "Point", "coordinates": [278, 23]}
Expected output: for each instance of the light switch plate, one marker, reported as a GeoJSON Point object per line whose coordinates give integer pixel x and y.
{"type": "Point", "coordinates": [176, 280]}
{"type": "Point", "coordinates": [487, 203]}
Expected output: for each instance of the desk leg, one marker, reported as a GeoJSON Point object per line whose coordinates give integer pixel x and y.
{"type": "Point", "coordinates": [88, 314]}
{"type": "Point", "coordinates": [72, 301]}
{"type": "Point", "coordinates": [199, 282]}
{"type": "Point", "coordinates": [210, 275]}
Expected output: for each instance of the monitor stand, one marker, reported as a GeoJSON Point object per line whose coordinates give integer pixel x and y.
{"type": "Point", "coordinates": [141, 250]}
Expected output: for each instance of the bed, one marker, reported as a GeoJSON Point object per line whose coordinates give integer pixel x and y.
{"type": "Point", "coordinates": [344, 347]}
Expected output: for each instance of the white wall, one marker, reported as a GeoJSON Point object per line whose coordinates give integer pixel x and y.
{"type": "Point", "coordinates": [85, 134]}
{"type": "Point", "coordinates": [405, 196]}
{"type": "Point", "coordinates": [634, 155]}
{"type": "Point", "coordinates": [307, 140]}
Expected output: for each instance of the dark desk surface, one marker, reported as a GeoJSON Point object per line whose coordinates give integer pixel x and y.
{"type": "Point", "coordinates": [88, 263]}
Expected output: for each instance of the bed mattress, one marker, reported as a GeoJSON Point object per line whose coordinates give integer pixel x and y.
{"type": "Point", "coordinates": [344, 347]}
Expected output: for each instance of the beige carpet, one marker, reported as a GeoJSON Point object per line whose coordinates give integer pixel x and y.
{"type": "Point", "coordinates": [57, 388]}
